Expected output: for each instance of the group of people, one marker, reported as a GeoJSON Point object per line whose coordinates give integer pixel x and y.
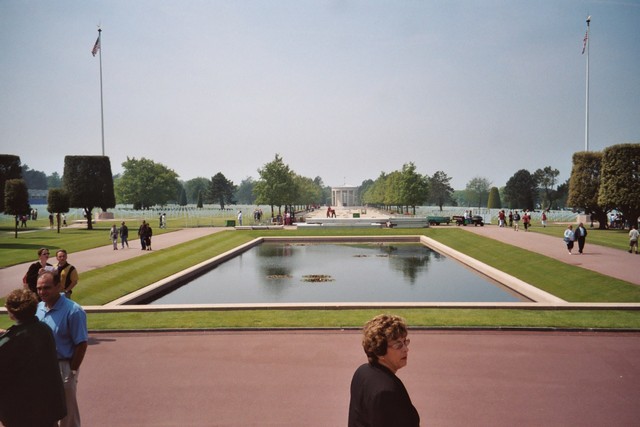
{"type": "Point", "coordinates": [145, 232]}
{"type": "Point", "coordinates": [41, 354]}
{"type": "Point", "coordinates": [580, 235]}
{"type": "Point", "coordinates": [122, 232]}
{"type": "Point", "coordinates": [514, 219]}
{"type": "Point", "coordinates": [257, 215]}
{"type": "Point", "coordinates": [571, 236]}
{"type": "Point", "coordinates": [64, 272]}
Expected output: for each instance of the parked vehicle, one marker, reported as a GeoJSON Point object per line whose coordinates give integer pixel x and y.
{"type": "Point", "coordinates": [437, 220]}
{"type": "Point", "coordinates": [475, 220]}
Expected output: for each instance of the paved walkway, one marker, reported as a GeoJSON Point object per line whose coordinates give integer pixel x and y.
{"type": "Point", "coordinates": [301, 378]}
{"type": "Point", "coordinates": [608, 261]}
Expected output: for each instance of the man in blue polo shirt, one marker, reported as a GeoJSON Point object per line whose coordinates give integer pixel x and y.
{"type": "Point", "coordinates": [68, 321]}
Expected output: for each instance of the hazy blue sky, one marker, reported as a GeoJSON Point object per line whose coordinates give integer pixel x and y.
{"type": "Point", "coordinates": [340, 89]}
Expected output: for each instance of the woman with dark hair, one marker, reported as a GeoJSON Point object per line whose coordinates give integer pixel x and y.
{"type": "Point", "coordinates": [378, 397]}
{"type": "Point", "coordinates": [32, 393]}
{"type": "Point", "coordinates": [31, 278]}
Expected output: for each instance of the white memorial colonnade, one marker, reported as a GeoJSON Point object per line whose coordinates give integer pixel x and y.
{"type": "Point", "coordinates": [347, 195]}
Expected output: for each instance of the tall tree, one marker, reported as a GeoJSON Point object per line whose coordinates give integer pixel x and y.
{"type": "Point", "coordinates": [440, 190]}
{"type": "Point", "coordinates": [89, 182]}
{"type": "Point", "coordinates": [584, 185]}
{"type": "Point", "coordinates": [36, 180]}
{"type": "Point", "coordinates": [54, 180]}
{"type": "Point", "coordinates": [562, 192]}
{"type": "Point", "coordinates": [547, 179]}
{"type": "Point", "coordinates": [478, 190]}
{"type": "Point", "coordinates": [494, 199]}
{"type": "Point", "coordinates": [194, 187]}
{"type": "Point", "coordinates": [182, 197]}
{"type": "Point", "coordinates": [220, 190]}
{"type": "Point", "coordinates": [309, 191]}
{"type": "Point", "coordinates": [275, 186]}
{"type": "Point", "coordinates": [364, 188]}
{"type": "Point", "coordinates": [16, 199]}
{"type": "Point", "coordinates": [414, 187]}
{"type": "Point", "coordinates": [58, 202]}
{"type": "Point", "coordinates": [392, 187]}
{"type": "Point", "coordinates": [620, 185]}
{"type": "Point", "coordinates": [9, 169]}
{"type": "Point", "coordinates": [325, 198]}
{"type": "Point", "coordinates": [521, 190]}
{"type": "Point", "coordinates": [145, 183]}
{"type": "Point", "coordinates": [244, 193]}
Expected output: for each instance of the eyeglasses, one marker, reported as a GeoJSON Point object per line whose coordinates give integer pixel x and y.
{"type": "Point", "coordinates": [398, 345]}
{"type": "Point", "coordinates": [45, 253]}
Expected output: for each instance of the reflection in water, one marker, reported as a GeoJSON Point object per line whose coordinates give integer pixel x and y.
{"type": "Point", "coordinates": [276, 272]}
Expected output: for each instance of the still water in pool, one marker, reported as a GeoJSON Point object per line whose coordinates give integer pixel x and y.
{"type": "Point", "coordinates": [310, 272]}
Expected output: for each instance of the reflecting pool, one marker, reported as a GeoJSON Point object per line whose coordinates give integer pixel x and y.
{"type": "Point", "coordinates": [277, 272]}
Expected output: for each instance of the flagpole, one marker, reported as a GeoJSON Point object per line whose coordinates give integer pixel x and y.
{"type": "Point", "coordinates": [101, 102]}
{"type": "Point", "coordinates": [586, 114]}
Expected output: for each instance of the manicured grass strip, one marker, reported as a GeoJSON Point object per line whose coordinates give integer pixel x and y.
{"type": "Point", "coordinates": [492, 318]}
{"type": "Point", "coordinates": [25, 247]}
{"type": "Point", "coordinates": [568, 282]}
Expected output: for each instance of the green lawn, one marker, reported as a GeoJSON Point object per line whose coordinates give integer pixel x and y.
{"type": "Point", "coordinates": [105, 284]}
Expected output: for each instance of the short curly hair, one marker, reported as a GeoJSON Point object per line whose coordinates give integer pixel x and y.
{"type": "Point", "coordinates": [379, 331]}
{"type": "Point", "coordinates": [22, 304]}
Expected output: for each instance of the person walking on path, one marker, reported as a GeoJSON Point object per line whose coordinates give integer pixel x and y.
{"type": "Point", "coordinates": [147, 237]}
{"type": "Point", "coordinates": [501, 218]}
{"type": "Point", "coordinates": [142, 234]}
{"type": "Point", "coordinates": [633, 239]}
{"type": "Point", "coordinates": [581, 237]}
{"type": "Point", "coordinates": [68, 321]}
{"type": "Point", "coordinates": [113, 234]}
{"type": "Point", "coordinates": [543, 219]}
{"type": "Point", "coordinates": [32, 392]}
{"type": "Point", "coordinates": [526, 220]}
{"type": "Point", "coordinates": [67, 273]}
{"type": "Point", "coordinates": [516, 221]}
{"type": "Point", "coordinates": [124, 235]}
{"type": "Point", "coordinates": [569, 237]}
{"type": "Point", "coordinates": [239, 217]}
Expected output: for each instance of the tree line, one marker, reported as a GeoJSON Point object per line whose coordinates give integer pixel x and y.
{"type": "Point", "coordinates": [599, 183]}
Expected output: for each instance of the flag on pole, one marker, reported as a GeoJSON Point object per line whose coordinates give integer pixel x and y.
{"type": "Point", "coordinates": [96, 47]}
{"type": "Point", "coordinates": [584, 42]}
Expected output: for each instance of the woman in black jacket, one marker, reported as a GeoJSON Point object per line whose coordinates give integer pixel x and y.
{"type": "Point", "coordinates": [378, 397]}
{"type": "Point", "coordinates": [31, 278]}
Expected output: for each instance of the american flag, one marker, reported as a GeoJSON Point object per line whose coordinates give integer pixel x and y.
{"type": "Point", "coordinates": [96, 47]}
{"type": "Point", "coordinates": [584, 42]}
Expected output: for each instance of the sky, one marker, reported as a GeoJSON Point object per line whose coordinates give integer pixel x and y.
{"type": "Point", "coordinates": [340, 89]}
